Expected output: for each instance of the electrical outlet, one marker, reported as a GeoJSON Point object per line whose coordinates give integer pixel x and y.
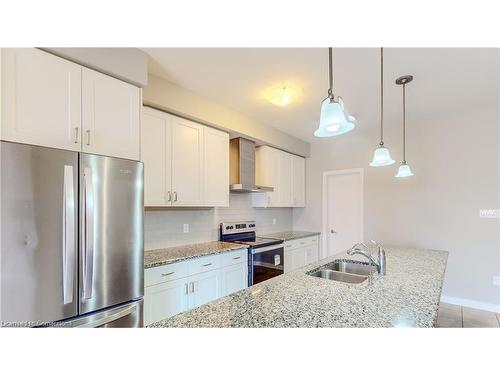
{"type": "Point", "coordinates": [274, 221]}
{"type": "Point", "coordinates": [496, 280]}
{"type": "Point", "coordinates": [186, 228]}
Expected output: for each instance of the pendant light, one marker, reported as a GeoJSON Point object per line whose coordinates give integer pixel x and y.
{"type": "Point", "coordinates": [334, 119]}
{"type": "Point", "coordinates": [381, 156]}
{"type": "Point", "coordinates": [404, 168]}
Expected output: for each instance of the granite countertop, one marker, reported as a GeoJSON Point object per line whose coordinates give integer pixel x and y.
{"type": "Point", "coordinates": [160, 257]}
{"type": "Point", "coordinates": [291, 235]}
{"type": "Point", "coordinates": [408, 296]}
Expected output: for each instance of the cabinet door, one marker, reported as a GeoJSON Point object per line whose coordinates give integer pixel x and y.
{"type": "Point", "coordinates": [204, 287]}
{"type": "Point", "coordinates": [312, 254]}
{"type": "Point", "coordinates": [155, 153]}
{"type": "Point", "coordinates": [299, 181]}
{"type": "Point", "coordinates": [187, 162]}
{"type": "Point", "coordinates": [285, 179]}
{"type": "Point", "coordinates": [216, 168]}
{"type": "Point", "coordinates": [164, 300]}
{"type": "Point", "coordinates": [41, 99]}
{"type": "Point", "coordinates": [288, 261]}
{"type": "Point", "coordinates": [267, 164]}
{"type": "Point", "coordinates": [234, 278]}
{"type": "Point", "coordinates": [110, 116]}
{"type": "Point", "coordinates": [298, 258]}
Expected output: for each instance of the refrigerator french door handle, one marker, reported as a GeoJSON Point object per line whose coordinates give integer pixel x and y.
{"type": "Point", "coordinates": [68, 234]}
{"type": "Point", "coordinates": [109, 318]}
{"type": "Point", "coordinates": [88, 233]}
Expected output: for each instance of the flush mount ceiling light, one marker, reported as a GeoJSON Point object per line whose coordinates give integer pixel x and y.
{"type": "Point", "coordinates": [404, 168]}
{"type": "Point", "coordinates": [334, 119]}
{"type": "Point", "coordinates": [281, 95]}
{"type": "Point", "coordinates": [381, 156]}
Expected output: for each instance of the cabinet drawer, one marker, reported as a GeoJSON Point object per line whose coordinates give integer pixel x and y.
{"type": "Point", "coordinates": [204, 264]}
{"type": "Point", "coordinates": [300, 242]}
{"type": "Point", "coordinates": [233, 257]}
{"type": "Point", "coordinates": [156, 275]}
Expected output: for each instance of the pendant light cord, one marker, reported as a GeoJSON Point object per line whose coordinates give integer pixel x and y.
{"type": "Point", "coordinates": [381, 96]}
{"type": "Point", "coordinates": [330, 72]}
{"type": "Point", "coordinates": [404, 123]}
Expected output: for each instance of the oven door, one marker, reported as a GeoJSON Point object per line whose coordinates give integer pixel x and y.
{"type": "Point", "coordinates": [266, 263]}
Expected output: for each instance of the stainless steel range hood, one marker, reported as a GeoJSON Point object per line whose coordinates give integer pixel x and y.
{"type": "Point", "coordinates": [242, 167]}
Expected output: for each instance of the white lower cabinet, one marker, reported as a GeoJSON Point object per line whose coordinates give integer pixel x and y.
{"type": "Point", "coordinates": [178, 287]}
{"type": "Point", "coordinates": [204, 288]}
{"type": "Point", "coordinates": [301, 252]}
{"type": "Point", "coordinates": [234, 278]}
{"type": "Point", "coordinates": [165, 299]}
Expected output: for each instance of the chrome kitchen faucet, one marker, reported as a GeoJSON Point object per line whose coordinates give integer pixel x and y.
{"type": "Point", "coordinates": [361, 249]}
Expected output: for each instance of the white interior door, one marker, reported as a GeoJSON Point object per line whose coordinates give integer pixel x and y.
{"type": "Point", "coordinates": [343, 204]}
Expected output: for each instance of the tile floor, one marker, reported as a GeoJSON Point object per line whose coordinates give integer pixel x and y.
{"type": "Point", "coordinates": [453, 316]}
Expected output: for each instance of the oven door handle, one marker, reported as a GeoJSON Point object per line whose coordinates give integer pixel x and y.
{"type": "Point", "coordinates": [267, 248]}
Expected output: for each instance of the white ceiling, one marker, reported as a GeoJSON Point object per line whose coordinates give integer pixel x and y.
{"type": "Point", "coordinates": [445, 80]}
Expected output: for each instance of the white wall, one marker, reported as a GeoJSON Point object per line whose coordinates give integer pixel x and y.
{"type": "Point", "coordinates": [454, 154]}
{"type": "Point", "coordinates": [165, 228]}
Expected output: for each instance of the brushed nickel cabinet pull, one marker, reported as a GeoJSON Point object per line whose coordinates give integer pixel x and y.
{"type": "Point", "coordinates": [88, 137]}
{"type": "Point", "coordinates": [169, 199]}
{"type": "Point", "coordinates": [76, 135]}
{"type": "Point", "coordinates": [186, 289]}
{"type": "Point", "coordinates": [236, 258]}
{"type": "Point", "coordinates": [175, 196]}
{"type": "Point", "coordinates": [168, 273]}
{"type": "Point", "coordinates": [208, 264]}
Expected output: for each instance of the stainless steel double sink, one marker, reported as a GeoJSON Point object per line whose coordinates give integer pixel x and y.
{"type": "Point", "coordinates": [345, 270]}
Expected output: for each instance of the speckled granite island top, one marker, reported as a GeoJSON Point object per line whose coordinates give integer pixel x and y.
{"type": "Point", "coordinates": [291, 235]}
{"type": "Point", "coordinates": [160, 257]}
{"type": "Point", "coordinates": [408, 296]}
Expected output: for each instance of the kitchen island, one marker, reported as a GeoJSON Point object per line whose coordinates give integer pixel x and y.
{"type": "Point", "coordinates": [408, 296]}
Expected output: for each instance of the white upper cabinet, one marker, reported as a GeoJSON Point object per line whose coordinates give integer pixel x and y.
{"type": "Point", "coordinates": [299, 181]}
{"type": "Point", "coordinates": [216, 169]}
{"type": "Point", "coordinates": [284, 172]}
{"type": "Point", "coordinates": [185, 163]}
{"type": "Point", "coordinates": [267, 165]}
{"type": "Point", "coordinates": [41, 99]}
{"type": "Point", "coordinates": [285, 179]}
{"type": "Point", "coordinates": [49, 101]}
{"type": "Point", "coordinates": [156, 155]}
{"type": "Point", "coordinates": [110, 116]}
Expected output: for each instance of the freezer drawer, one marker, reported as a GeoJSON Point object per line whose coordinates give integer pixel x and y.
{"type": "Point", "coordinates": [129, 315]}
{"type": "Point", "coordinates": [39, 193]}
{"type": "Point", "coordinates": [111, 232]}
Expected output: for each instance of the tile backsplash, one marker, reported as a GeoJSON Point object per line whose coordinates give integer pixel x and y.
{"type": "Point", "coordinates": [165, 228]}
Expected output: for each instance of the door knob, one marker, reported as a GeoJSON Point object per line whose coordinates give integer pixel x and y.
{"type": "Point", "coordinates": [332, 231]}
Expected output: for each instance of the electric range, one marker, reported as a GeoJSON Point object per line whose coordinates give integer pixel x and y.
{"type": "Point", "coordinates": [265, 255]}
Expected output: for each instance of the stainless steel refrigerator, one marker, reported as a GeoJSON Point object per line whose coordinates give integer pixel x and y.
{"type": "Point", "coordinates": [71, 239]}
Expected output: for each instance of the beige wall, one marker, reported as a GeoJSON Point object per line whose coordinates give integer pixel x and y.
{"type": "Point", "coordinates": [165, 95]}
{"type": "Point", "coordinates": [455, 159]}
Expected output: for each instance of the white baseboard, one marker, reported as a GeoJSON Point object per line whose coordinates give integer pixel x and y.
{"type": "Point", "coordinates": [471, 303]}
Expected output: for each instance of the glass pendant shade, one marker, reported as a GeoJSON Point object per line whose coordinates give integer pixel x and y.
{"type": "Point", "coordinates": [381, 157]}
{"type": "Point", "coordinates": [334, 120]}
{"type": "Point", "coordinates": [404, 171]}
